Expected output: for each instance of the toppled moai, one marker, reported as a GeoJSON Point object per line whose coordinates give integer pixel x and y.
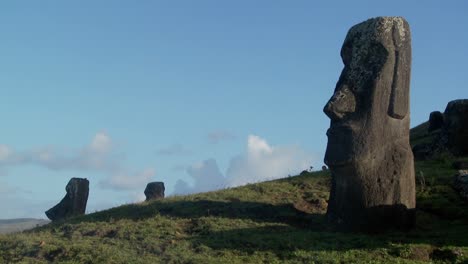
{"type": "Point", "coordinates": [368, 151]}
{"type": "Point", "coordinates": [74, 202]}
{"type": "Point", "coordinates": [154, 190]}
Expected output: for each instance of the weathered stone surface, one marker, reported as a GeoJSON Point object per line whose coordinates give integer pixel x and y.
{"type": "Point", "coordinates": [154, 190]}
{"type": "Point", "coordinates": [368, 151]}
{"type": "Point", "coordinates": [74, 202]}
{"type": "Point", "coordinates": [456, 126]}
{"type": "Point", "coordinates": [436, 121]}
{"type": "Point", "coordinates": [460, 183]}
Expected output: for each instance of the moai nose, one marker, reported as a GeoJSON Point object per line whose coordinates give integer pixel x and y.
{"type": "Point", "coordinates": [341, 103]}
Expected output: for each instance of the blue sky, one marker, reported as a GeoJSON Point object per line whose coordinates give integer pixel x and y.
{"type": "Point", "coordinates": [198, 94]}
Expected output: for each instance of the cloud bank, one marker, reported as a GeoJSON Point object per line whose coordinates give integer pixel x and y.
{"type": "Point", "coordinates": [260, 162]}
{"type": "Point", "coordinates": [97, 156]}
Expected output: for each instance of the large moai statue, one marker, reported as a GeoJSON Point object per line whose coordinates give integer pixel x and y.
{"type": "Point", "coordinates": [74, 202]}
{"type": "Point", "coordinates": [368, 151]}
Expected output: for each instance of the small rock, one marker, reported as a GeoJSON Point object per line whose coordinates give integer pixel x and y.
{"type": "Point", "coordinates": [154, 190]}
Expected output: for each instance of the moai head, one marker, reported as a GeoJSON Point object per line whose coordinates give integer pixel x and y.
{"type": "Point", "coordinates": [371, 98]}
{"type": "Point", "coordinates": [368, 139]}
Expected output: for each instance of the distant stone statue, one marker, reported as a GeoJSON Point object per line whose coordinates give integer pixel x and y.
{"type": "Point", "coordinates": [74, 202]}
{"type": "Point", "coordinates": [456, 126]}
{"type": "Point", "coordinates": [154, 190]}
{"type": "Point", "coordinates": [368, 150]}
{"type": "Point", "coordinates": [436, 121]}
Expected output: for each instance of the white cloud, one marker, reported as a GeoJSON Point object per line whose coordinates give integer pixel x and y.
{"type": "Point", "coordinates": [126, 181]}
{"type": "Point", "coordinates": [96, 156]}
{"type": "Point", "coordinates": [206, 176]}
{"type": "Point", "coordinates": [264, 162]}
{"type": "Point", "coordinates": [260, 162]}
{"type": "Point", "coordinates": [220, 135]}
{"type": "Point", "coordinates": [101, 143]}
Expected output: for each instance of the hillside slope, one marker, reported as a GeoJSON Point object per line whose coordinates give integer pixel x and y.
{"type": "Point", "coordinates": [279, 221]}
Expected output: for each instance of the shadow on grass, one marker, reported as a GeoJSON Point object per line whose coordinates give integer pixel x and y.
{"type": "Point", "coordinates": [287, 227]}
{"type": "Point", "coordinates": [259, 212]}
{"type": "Point", "coordinates": [290, 238]}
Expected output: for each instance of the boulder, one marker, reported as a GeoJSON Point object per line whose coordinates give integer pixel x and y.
{"type": "Point", "coordinates": [460, 183]}
{"type": "Point", "coordinates": [456, 126]}
{"type": "Point", "coordinates": [74, 202]}
{"type": "Point", "coordinates": [436, 121]}
{"type": "Point", "coordinates": [154, 190]}
{"type": "Point", "coordinates": [368, 151]}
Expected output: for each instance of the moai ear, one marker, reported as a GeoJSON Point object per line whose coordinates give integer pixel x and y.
{"type": "Point", "coordinates": [399, 98]}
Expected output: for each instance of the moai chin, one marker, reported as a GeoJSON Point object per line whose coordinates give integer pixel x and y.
{"type": "Point", "coordinates": [368, 150]}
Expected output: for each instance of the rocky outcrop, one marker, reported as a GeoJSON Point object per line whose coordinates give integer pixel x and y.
{"type": "Point", "coordinates": [368, 151]}
{"type": "Point", "coordinates": [154, 190]}
{"type": "Point", "coordinates": [447, 133]}
{"type": "Point", "coordinates": [74, 202]}
{"type": "Point", "coordinates": [460, 183]}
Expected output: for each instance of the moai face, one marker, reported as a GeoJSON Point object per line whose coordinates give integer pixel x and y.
{"type": "Point", "coordinates": [370, 102]}
{"type": "Point", "coordinates": [368, 149]}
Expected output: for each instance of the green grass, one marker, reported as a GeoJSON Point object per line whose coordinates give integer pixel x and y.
{"type": "Point", "coordinates": [281, 221]}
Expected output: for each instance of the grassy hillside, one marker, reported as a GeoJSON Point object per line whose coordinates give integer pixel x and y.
{"type": "Point", "coordinates": [280, 221]}
{"type": "Point", "coordinates": [20, 224]}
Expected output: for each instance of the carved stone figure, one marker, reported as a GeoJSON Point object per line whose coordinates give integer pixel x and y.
{"type": "Point", "coordinates": [436, 121]}
{"type": "Point", "coordinates": [74, 202]}
{"type": "Point", "coordinates": [456, 126]}
{"type": "Point", "coordinates": [154, 190]}
{"type": "Point", "coordinates": [368, 150]}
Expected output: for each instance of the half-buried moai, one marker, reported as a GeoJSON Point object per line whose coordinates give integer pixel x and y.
{"type": "Point", "coordinates": [368, 151]}
{"type": "Point", "coordinates": [74, 202]}
{"type": "Point", "coordinates": [154, 190]}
